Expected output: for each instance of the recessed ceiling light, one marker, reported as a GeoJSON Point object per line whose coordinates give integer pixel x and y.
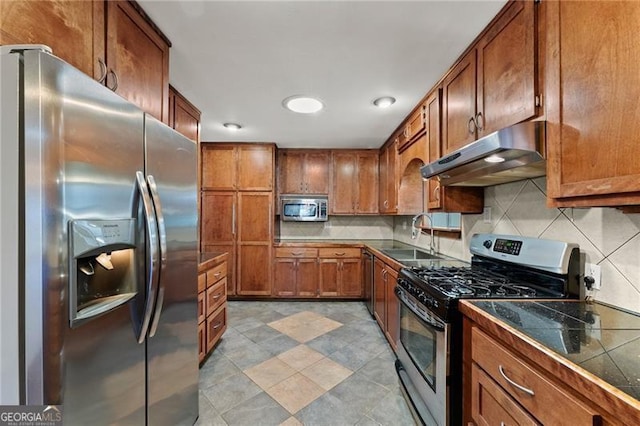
{"type": "Point", "coordinates": [232, 126]}
{"type": "Point", "coordinates": [302, 104]}
{"type": "Point", "coordinates": [384, 102]}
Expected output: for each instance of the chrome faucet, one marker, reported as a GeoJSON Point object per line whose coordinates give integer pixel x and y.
{"type": "Point", "coordinates": [415, 231]}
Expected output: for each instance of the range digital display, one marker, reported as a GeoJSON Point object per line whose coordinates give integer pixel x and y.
{"type": "Point", "coordinates": [507, 246]}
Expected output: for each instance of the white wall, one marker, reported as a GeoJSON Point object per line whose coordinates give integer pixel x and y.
{"type": "Point", "coordinates": [606, 236]}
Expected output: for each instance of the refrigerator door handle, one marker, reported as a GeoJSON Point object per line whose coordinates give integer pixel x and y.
{"type": "Point", "coordinates": [152, 235]}
{"type": "Point", "coordinates": [162, 233]}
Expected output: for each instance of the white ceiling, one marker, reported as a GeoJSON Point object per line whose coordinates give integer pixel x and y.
{"type": "Point", "coordinates": [237, 60]}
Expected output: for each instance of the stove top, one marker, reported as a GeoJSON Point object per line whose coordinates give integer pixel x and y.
{"type": "Point", "coordinates": [503, 267]}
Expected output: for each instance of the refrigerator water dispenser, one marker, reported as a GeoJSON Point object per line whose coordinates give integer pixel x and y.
{"type": "Point", "coordinates": [102, 270]}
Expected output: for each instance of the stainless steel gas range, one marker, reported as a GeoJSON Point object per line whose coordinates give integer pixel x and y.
{"type": "Point", "coordinates": [430, 347]}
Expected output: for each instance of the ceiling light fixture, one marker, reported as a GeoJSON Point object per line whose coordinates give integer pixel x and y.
{"type": "Point", "coordinates": [302, 104]}
{"type": "Point", "coordinates": [384, 102]}
{"type": "Point", "coordinates": [232, 126]}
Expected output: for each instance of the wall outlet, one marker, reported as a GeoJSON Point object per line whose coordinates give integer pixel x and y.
{"type": "Point", "coordinates": [486, 215]}
{"type": "Point", "coordinates": [594, 271]}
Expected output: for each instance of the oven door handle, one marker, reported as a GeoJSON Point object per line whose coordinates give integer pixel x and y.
{"type": "Point", "coordinates": [433, 324]}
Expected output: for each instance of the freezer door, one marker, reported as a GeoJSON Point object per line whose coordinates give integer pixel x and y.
{"type": "Point", "coordinates": [172, 343]}
{"type": "Point", "coordinates": [82, 147]}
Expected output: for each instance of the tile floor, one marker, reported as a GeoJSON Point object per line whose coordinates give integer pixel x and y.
{"type": "Point", "coordinates": [301, 363]}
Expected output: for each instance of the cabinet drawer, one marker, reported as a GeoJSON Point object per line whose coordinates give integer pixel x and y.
{"type": "Point", "coordinates": [216, 273]}
{"type": "Point", "coordinates": [202, 311]}
{"type": "Point", "coordinates": [202, 282]}
{"type": "Point", "coordinates": [490, 404]}
{"type": "Point", "coordinates": [339, 252]}
{"type": "Point", "coordinates": [536, 394]}
{"type": "Point", "coordinates": [216, 325]}
{"type": "Point", "coordinates": [216, 296]}
{"type": "Point", "coordinates": [296, 252]}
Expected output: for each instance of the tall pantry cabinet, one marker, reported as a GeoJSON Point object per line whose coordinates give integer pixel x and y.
{"type": "Point", "coordinates": [237, 202]}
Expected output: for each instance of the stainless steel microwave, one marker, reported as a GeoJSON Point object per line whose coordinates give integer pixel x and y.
{"type": "Point", "coordinates": [302, 208]}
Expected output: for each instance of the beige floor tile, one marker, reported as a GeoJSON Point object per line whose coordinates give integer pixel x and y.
{"type": "Point", "coordinates": [303, 332]}
{"type": "Point", "coordinates": [295, 393]}
{"type": "Point", "coordinates": [326, 324]}
{"type": "Point", "coordinates": [300, 357]}
{"type": "Point", "coordinates": [326, 373]}
{"type": "Point", "coordinates": [291, 421]}
{"type": "Point", "coordinates": [269, 372]}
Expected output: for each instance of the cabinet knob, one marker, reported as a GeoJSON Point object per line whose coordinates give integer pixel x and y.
{"type": "Point", "coordinates": [480, 121]}
{"type": "Point", "coordinates": [114, 87]}
{"type": "Point", "coordinates": [472, 125]}
{"type": "Point", "coordinates": [103, 71]}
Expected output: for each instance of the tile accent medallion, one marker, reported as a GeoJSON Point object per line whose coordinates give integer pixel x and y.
{"type": "Point", "coordinates": [319, 354]}
{"type": "Point", "coordinates": [606, 236]}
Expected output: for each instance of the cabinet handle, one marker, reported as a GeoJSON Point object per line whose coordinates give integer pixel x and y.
{"type": "Point", "coordinates": [386, 203]}
{"type": "Point", "coordinates": [115, 80]}
{"type": "Point", "coordinates": [339, 254]}
{"type": "Point", "coordinates": [520, 387]}
{"type": "Point", "coordinates": [480, 118]}
{"type": "Point", "coordinates": [296, 253]}
{"type": "Point", "coordinates": [217, 326]}
{"type": "Point", "coordinates": [472, 125]}
{"type": "Point", "coordinates": [103, 71]}
{"type": "Point", "coordinates": [436, 193]}
{"type": "Point", "coordinates": [217, 274]}
{"type": "Point", "coordinates": [233, 219]}
{"type": "Point", "coordinates": [217, 296]}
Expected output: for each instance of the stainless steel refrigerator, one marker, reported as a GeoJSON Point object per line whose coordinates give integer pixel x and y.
{"type": "Point", "coordinates": [98, 263]}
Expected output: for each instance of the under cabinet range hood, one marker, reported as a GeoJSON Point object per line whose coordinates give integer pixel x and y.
{"type": "Point", "coordinates": [510, 154]}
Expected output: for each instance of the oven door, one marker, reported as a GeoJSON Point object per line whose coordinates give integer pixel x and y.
{"type": "Point", "coordinates": [424, 366]}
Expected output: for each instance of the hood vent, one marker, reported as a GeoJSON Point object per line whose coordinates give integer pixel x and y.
{"type": "Point", "coordinates": [510, 154]}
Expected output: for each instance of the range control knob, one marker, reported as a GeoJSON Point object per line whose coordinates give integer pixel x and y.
{"type": "Point", "coordinates": [487, 243]}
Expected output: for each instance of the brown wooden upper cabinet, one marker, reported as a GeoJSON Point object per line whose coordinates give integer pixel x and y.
{"type": "Point", "coordinates": [593, 131]}
{"type": "Point", "coordinates": [184, 117]}
{"type": "Point", "coordinates": [388, 162]}
{"type": "Point", "coordinates": [414, 127]}
{"type": "Point", "coordinates": [243, 167]}
{"type": "Point", "coordinates": [442, 198]}
{"type": "Point", "coordinates": [494, 84]}
{"type": "Point", "coordinates": [114, 42]}
{"type": "Point", "coordinates": [303, 171]}
{"type": "Point", "coordinates": [355, 182]}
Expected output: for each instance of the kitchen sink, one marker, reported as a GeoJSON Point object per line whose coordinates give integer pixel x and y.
{"type": "Point", "coordinates": [409, 254]}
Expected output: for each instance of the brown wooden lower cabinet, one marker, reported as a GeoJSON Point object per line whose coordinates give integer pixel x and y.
{"type": "Point", "coordinates": [386, 307]}
{"type": "Point", "coordinates": [507, 389]}
{"type": "Point", "coordinates": [309, 272]}
{"type": "Point", "coordinates": [212, 304]}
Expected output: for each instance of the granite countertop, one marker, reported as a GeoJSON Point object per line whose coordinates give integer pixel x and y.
{"type": "Point", "coordinates": [601, 339]}
{"type": "Point", "coordinates": [207, 259]}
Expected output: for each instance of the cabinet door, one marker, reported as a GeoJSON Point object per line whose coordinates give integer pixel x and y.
{"type": "Point", "coordinates": [316, 172]}
{"type": "Point", "coordinates": [434, 123]}
{"type": "Point", "coordinates": [254, 280]}
{"type": "Point", "coordinates": [255, 216]}
{"type": "Point", "coordinates": [379, 294]}
{"type": "Point", "coordinates": [383, 202]}
{"type": "Point", "coordinates": [351, 284]}
{"type": "Point", "coordinates": [392, 318]}
{"type": "Point", "coordinates": [329, 277]}
{"type": "Point", "coordinates": [367, 202]}
{"type": "Point", "coordinates": [344, 183]}
{"type": "Point", "coordinates": [73, 29]}
{"type": "Point", "coordinates": [290, 167]}
{"type": "Point", "coordinates": [459, 96]}
{"type": "Point", "coordinates": [307, 277]}
{"type": "Point", "coordinates": [593, 87]}
{"type": "Point", "coordinates": [184, 117]}
{"type": "Point", "coordinates": [507, 70]}
{"type": "Point", "coordinates": [392, 178]}
{"type": "Point", "coordinates": [218, 166]}
{"type": "Point", "coordinates": [255, 167]}
{"type": "Point", "coordinates": [139, 57]}
{"type": "Point", "coordinates": [218, 217]}
{"type": "Point", "coordinates": [284, 282]}
{"type": "Point", "coordinates": [491, 405]}
{"type": "Point", "coordinates": [202, 341]}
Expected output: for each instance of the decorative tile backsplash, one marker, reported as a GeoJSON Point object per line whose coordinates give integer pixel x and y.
{"type": "Point", "coordinates": [341, 228]}
{"type": "Point", "coordinates": [606, 236]}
